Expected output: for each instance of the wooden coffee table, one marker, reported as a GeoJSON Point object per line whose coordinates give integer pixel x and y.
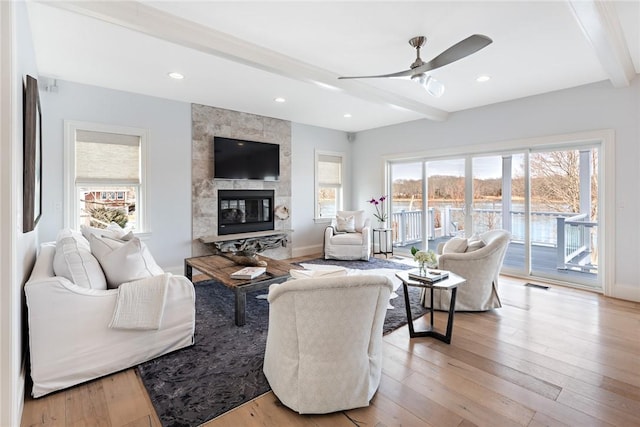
{"type": "Point", "coordinates": [219, 268]}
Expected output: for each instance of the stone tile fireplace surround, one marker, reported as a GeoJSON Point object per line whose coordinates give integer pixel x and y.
{"type": "Point", "coordinates": [208, 122]}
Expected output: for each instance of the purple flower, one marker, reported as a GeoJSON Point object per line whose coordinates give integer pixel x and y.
{"type": "Point", "coordinates": [381, 214]}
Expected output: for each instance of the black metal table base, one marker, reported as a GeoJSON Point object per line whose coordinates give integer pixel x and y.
{"type": "Point", "coordinates": [241, 296]}
{"type": "Point", "coordinates": [430, 332]}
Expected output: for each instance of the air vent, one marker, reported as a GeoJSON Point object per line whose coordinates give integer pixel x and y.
{"type": "Point", "coordinates": [535, 285]}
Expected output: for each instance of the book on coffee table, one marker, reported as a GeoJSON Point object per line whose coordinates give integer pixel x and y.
{"type": "Point", "coordinates": [428, 275]}
{"type": "Point", "coordinates": [248, 273]}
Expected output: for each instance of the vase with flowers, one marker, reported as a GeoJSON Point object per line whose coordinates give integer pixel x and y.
{"type": "Point", "coordinates": [425, 259]}
{"type": "Point", "coordinates": [381, 213]}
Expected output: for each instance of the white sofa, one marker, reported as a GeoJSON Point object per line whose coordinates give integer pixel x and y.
{"type": "Point", "coordinates": [324, 343]}
{"type": "Point", "coordinates": [70, 340]}
{"type": "Point", "coordinates": [348, 240]}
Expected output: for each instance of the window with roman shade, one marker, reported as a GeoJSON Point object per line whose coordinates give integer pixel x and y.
{"type": "Point", "coordinates": [104, 171]}
{"type": "Point", "coordinates": [329, 171]}
{"type": "Point", "coordinates": [107, 158]}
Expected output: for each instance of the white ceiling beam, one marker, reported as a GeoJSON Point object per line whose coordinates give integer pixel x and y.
{"type": "Point", "coordinates": [159, 24]}
{"type": "Point", "coordinates": [600, 24]}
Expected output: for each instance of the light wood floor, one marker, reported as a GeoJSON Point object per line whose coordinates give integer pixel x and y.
{"type": "Point", "coordinates": [546, 358]}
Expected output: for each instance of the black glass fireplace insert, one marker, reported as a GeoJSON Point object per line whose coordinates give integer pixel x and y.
{"type": "Point", "coordinates": [244, 211]}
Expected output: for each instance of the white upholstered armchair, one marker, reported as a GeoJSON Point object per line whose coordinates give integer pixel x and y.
{"type": "Point", "coordinates": [477, 260]}
{"type": "Point", "coordinates": [348, 237]}
{"type": "Point", "coordinates": [324, 343]}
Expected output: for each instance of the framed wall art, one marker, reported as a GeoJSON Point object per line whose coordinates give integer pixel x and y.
{"type": "Point", "coordinates": [32, 157]}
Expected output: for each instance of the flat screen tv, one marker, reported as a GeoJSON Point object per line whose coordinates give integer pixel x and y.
{"type": "Point", "coordinates": [239, 159]}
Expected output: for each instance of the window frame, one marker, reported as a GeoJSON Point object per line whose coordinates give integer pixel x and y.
{"type": "Point", "coordinates": [317, 186]}
{"type": "Point", "coordinates": [71, 202]}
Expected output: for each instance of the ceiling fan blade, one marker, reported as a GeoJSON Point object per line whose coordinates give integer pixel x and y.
{"type": "Point", "coordinates": [406, 73]}
{"type": "Point", "coordinates": [458, 51]}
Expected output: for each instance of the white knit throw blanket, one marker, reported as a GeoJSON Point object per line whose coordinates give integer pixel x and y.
{"type": "Point", "coordinates": [140, 303]}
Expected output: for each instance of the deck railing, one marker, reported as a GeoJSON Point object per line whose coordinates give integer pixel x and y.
{"type": "Point", "coordinates": [571, 235]}
{"type": "Point", "coordinates": [574, 242]}
{"type": "Point", "coordinates": [407, 226]}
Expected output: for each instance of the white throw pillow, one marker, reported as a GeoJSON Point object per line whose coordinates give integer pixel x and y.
{"type": "Point", "coordinates": [87, 232]}
{"type": "Point", "coordinates": [358, 217]}
{"type": "Point", "coordinates": [113, 231]}
{"type": "Point", "coordinates": [119, 232]}
{"type": "Point", "coordinates": [474, 245]}
{"type": "Point", "coordinates": [346, 224]}
{"type": "Point", "coordinates": [123, 262]}
{"type": "Point", "coordinates": [74, 261]}
{"type": "Point", "coordinates": [457, 245]}
{"type": "Point", "coordinates": [67, 232]}
{"type": "Point", "coordinates": [126, 237]}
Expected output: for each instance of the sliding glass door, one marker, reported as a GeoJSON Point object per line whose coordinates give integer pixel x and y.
{"type": "Point", "coordinates": [487, 203]}
{"type": "Point", "coordinates": [447, 201]}
{"type": "Point", "coordinates": [564, 214]}
{"type": "Point", "coordinates": [515, 216]}
{"type": "Point", "coordinates": [406, 203]}
{"type": "Point", "coordinates": [444, 183]}
{"type": "Point", "coordinates": [547, 199]}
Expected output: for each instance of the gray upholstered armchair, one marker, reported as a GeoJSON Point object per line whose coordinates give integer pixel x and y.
{"type": "Point", "coordinates": [349, 238]}
{"type": "Point", "coordinates": [324, 344]}
{"type": "Point", "coordinates": [477, 260]}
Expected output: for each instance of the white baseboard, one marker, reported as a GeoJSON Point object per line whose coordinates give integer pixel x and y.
{"type": "Point", "coordinates": [626, 292]}
{"type": "Point", "coordinates": [306, 250]}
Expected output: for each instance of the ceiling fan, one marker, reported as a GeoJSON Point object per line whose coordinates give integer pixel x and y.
{"type": "Point", "coordinates": [419, 69]}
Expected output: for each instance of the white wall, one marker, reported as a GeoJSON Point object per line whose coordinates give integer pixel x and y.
{"type": "Point", "coordinates": [169, 170]}
{"type": "Point", "coordinates": [581, 109]}
{"type": "Point", "coordinates": [585, 108]}
{"type": "Point", "coordinates": [17, 250]}
{"type": "Point", "coordinates": [168, 160]}
{"type": "Point", "coordinates": [308, 235]}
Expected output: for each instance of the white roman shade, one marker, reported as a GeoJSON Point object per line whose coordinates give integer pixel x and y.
{"type": "Point", "coordinates": [103, 157]}
{"type": "Point", "coordinates": [329, 170]}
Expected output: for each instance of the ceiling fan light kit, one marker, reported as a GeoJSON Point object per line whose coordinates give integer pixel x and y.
{"type": "Point", "coordinates": [431, 85]}
{"type": "Point", "coordinates": [418, 69]}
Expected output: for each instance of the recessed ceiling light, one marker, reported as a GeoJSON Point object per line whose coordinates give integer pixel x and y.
{"type": "Point", "coordinates": [176, 75]}
{"type": "Point", "coordinates": [483, 78]}
{"type": "Point", "coordinates": [347, 115]}
{"type": "Point", "coordinates": [279, 99]}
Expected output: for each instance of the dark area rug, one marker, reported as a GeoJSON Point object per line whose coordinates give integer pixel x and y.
{"type": "Point", "coordinates": [223, 369]}
{"type": "Point", "coordinates": [361, 265]}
